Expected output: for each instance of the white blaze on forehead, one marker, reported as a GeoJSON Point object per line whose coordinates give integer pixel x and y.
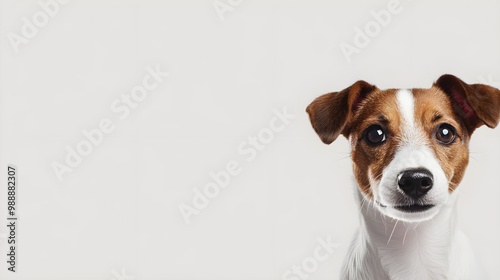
{"type": "Point", "coordinates": [406, 105]}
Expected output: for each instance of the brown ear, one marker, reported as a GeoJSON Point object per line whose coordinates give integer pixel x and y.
{"type": "Point", "coordinates": [331, 112]}
{"type": "Point", "coordinates": [476, 104]}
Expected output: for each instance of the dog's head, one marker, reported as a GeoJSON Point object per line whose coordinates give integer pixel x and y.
{"type": "Point", "coordinates": [409, 148]}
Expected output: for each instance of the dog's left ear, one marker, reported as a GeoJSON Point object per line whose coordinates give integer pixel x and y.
{"type": "Point", "coordinates": [331, 113]}
{"type": "Point", "coordinates": [476, 104]}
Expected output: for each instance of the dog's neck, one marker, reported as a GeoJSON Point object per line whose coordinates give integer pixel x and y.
{"type": "Point", "coordinates": [410, 250]}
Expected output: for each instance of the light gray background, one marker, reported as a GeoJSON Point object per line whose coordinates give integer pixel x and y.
{"type": "Point", "coordinates": [117, 212]}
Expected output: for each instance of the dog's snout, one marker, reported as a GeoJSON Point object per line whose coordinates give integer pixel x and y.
{"type": "Point", "coordinates": [415, 183]}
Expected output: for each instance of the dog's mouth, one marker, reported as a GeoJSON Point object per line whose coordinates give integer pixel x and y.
{"type": "Point", "coordinates": [414, 208]}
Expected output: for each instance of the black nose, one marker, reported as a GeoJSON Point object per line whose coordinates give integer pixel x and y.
{"type": "Point", "coordinates": [416, 182]}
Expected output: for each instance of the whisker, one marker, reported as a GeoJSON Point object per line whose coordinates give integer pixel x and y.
{"type": "Point", "coordinates": [404, 237]}
{"type": "Point", "coordinates": [416, 225]}
{"type": "Point", "coordinates": [450, 188]}
{"type": "Point", "coordinates": [363, 201]}
{"type": "Point", "coordinates": [472, 157]}
{"type": "Point", "coordinates": [450, 182]}
{"type": "Point", "coordinates": [343, 158]}
{"type": "Point", "coordinates": [392, 232]}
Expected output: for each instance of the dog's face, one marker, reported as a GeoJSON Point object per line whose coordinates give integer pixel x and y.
{"type": "Point", "coordinates": [409, 147]}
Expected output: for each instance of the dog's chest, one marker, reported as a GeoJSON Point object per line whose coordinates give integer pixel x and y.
{"type": "Point", "coordinates": [406, 252]}
{"type": "Point", "coordinates": [417, 261]}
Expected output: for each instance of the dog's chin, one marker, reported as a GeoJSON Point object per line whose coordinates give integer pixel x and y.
{"type": "Point", "coordinates": [409, 213]}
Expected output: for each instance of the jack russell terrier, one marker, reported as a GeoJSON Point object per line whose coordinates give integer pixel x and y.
{"type": "Point", "coordinates": [409, 150]}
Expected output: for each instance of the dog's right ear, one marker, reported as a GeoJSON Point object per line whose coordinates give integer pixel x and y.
{"type": "Point", "coordinates": [331, 113]}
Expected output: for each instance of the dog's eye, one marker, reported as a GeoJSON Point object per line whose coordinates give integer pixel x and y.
{"type": "Point", "coordinates": [374, 135]}
{"type": "Point", "coordinates": [446, 134]}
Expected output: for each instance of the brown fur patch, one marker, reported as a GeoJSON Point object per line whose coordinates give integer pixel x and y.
{"type": "Point", "coordinates": [380, 108]}
{"type": "Point", "coordinates": [433, 108]}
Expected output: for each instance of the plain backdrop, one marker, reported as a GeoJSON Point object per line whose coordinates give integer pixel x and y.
{"type": "Point", "coordinates": [232, 65]}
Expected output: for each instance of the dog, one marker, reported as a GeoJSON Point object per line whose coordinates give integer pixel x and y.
{"type": "Point", "coordinates": [409, 151]}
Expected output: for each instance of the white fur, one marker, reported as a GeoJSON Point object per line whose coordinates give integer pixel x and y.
{"type": "Point", "coordinates": [384, 248]}
{"type": "Point", "coordinates": [406, 106]}
{"type": "Point", "coordinates": [391, 244]}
